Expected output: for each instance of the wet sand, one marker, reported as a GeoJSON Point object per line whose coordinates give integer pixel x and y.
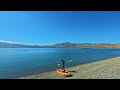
{"type": "Point", "coordinates": [105, 69]}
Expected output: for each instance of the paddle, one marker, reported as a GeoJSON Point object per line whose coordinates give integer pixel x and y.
{"type": "Point", "coordinates": [70, 61]}
{"type": "Point", "coordinates": [58, 65]}
{"type": "Point", "coordinates": [65, 63]}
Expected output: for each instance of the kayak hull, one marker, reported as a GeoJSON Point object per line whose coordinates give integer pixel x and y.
{"type": "Point", "coordinates": [63, 73]}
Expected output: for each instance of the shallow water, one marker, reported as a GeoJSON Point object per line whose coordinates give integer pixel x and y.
{"type": "Point", "coordinates": [16, 62]}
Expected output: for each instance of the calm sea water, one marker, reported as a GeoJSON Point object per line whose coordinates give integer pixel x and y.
{"type": "Point", "coordinates": [26, 61]}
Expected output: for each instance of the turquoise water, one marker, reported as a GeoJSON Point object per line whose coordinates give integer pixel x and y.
{"type": "Point", "coordinates": [26, 61]}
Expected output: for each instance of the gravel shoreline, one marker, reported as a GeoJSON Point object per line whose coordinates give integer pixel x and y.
{"type": "Point", "coordinates": [105, 69]}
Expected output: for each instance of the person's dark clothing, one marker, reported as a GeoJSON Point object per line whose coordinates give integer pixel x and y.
{"type": "Point", "coordinates": [63, 64]}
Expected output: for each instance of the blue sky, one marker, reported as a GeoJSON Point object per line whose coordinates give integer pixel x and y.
{"type": "Point", "coordinates": [50, 27]}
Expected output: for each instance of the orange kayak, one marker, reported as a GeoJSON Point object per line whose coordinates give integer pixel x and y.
{"type": "Point", "coordinates": [63, 73]}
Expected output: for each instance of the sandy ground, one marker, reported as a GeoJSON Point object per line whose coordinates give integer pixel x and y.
{"type": "Point", "coordinates": [105, 69]}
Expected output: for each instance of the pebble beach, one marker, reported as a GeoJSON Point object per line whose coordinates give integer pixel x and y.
{"type": "Point", "coordinates": [104, 69]}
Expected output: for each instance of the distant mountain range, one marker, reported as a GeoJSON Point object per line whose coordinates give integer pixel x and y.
{"type": "Point", "coordinates": [60, 45]}
{"type": "Point", "coordinates": [87, 45]}
{"type": "Point", "coordinates": [12, 45]}
{"type": "Point", "coordinates": [15, 45]}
